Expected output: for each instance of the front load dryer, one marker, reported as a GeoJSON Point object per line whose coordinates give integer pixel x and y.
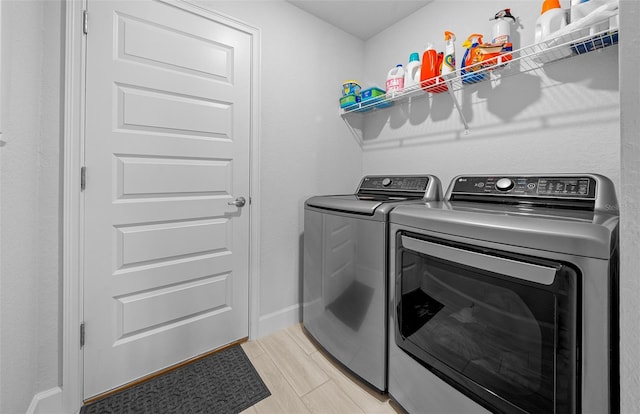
{"type": "Point", "coordinates": [504, 297]}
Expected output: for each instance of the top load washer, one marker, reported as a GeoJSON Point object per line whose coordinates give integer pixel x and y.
{"type": "Point", "coordinates": [504, 297]}
{"type": "Point", "coordinates": [345, 282]}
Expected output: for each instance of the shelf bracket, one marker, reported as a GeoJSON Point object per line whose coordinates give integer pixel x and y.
{"type": "Point", "coordinates": [457, 104]}
{"type": "Point", "coordinates": [359, 135]}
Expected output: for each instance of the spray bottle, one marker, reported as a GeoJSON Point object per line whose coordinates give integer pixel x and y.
{"type": "Point", "coordinates": [501, 31]}
{"type": "Point", "coordinates": [449, 62]}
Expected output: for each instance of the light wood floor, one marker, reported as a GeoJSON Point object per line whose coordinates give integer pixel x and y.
{"type": "Point", "coordinates": [303, 379]}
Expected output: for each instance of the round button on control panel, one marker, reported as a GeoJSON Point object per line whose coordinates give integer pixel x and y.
{"type": "Point", "coordinates": [504, 184]}
{"type": "Point", "coordinates": [386, 182]}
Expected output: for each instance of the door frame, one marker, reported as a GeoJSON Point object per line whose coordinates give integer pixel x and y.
{"type": "Point", "coordinates": [73, 199]}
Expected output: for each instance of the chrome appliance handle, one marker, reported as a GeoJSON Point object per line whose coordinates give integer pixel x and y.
{"type": "Point", "coordinates": [520, 270]}
{"type": "Point", "coordinates": [238, 202]}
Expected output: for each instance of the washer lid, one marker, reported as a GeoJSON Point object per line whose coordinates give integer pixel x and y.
{"type": "Point", "coordinates": [346, 203]}
{"type": "Point", "coordinates": [377, 195]}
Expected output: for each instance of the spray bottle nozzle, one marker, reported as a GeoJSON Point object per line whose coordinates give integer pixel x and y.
{"type": "Point", "coordinates": [504, 14]}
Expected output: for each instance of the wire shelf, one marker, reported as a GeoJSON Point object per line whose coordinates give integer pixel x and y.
{"type": "Point", "coordinates": [519, 61]}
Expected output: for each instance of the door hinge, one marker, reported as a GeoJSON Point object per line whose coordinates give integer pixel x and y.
{"type": "Point", "coordinates": [85, 22]}
{"type": "Point", "coordinates": [81, 334]}
{"type": "Point", "coordinates": [83, 178]}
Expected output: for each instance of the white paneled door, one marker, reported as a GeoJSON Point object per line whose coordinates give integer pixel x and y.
{"type": "Point", "coordinates": [167, 155]}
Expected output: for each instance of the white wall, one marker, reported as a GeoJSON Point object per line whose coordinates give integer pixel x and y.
{"type": "Point", "coordinates": [630, 208]}
{"type": "Point", "coordinates": [564, 118]}
{"type": "Point", "coordinates": [30, 197]}
{"type": "Point", "coordinates": [305, 147]}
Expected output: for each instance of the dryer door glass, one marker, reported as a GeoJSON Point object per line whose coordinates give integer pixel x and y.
{"type": "Point", "coordinates": [501, 328]}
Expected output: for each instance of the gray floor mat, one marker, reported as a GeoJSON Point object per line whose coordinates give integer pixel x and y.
{"type": "Point", "coordinates": [225, 382]}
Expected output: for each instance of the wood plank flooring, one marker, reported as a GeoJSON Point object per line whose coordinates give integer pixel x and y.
{"type": "Point", "coordinates": [304, 380]}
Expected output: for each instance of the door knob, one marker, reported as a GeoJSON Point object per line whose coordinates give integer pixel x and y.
{"type": "Point", "coordinates": [238, 202]}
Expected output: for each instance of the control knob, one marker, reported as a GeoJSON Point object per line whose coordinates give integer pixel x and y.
{"type": "Point", "coordinates": [504, 184]}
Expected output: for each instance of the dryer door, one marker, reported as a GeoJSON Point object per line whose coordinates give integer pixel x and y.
{"type": "Point", "coordinates": [500, 327]}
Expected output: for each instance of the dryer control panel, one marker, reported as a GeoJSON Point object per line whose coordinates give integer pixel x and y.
{"type": "Point", "coordinates": [397, 187]}
{"type": "Point", "coordinates": [575, 187]}
{"type": "Point", "coordinates": [394, 183]}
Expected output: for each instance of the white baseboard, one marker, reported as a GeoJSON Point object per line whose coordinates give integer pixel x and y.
{"type": "Point", "coordinates": [275, 321]}
{"type": "Point", "coordinates": [50, 401]}
{"type": "Point", "coordinates": [47, 402]}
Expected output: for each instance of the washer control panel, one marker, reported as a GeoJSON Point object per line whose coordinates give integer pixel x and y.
{"type": "Point", "coordinates": [394, 183]}
{"type": "Point", "coordinates": [527, 186]}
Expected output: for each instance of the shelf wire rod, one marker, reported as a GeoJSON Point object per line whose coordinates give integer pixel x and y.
{"type": "Point", "coordinates": [455, 101]}
{"type": "Point", "coordinates": [355, 133]}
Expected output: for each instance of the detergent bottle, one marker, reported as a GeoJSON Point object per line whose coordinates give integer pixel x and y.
{"type": "Point", "coordinates": [395, 79]}
{"type": "Point", "coordinates": [582, 8]}
{"type": "Point", "coordinates": [430, 79]}
{"type": "Point", "coordinates": [449, 62]}
{"type": "Point", "coordinates": [412, 72]}
{"type": "Point", "coordinates": [470, 67]}
{"type": "Point", "coordinates": [551, 19]}
{"type": "Point", "coordinates": [501, 31]}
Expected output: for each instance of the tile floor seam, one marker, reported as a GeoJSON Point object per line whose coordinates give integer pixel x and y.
{"type": "Point", "coordinates": [337, 384]}
{"type": "Point", "coordinates": [324, 363]}
{"type": "Point", "coordinates": [344, 395]}
{"type": "Point", "coordinates": [282, 378]}
{"type": "Point", "coordinates": [308, 357]}
{"type": "Point", "coordinates": [283, 374]}
{"type": "Point", "coordinates": [323, 354]}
